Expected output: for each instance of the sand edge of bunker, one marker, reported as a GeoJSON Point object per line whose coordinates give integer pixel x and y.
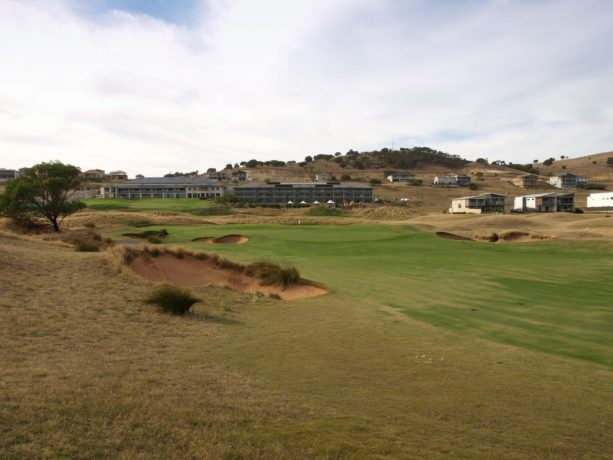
{"type": "Point", "coordinates": [186, 269]}
{"type": "Point", "coordinates": [225, 239]}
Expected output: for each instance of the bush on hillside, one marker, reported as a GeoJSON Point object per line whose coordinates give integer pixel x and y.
{"type": "Point", "coordinates": [323, 211]}
{"type": "Point", "coordinates": [173, 300]}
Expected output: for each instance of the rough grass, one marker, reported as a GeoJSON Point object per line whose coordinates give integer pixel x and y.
{"type": "Point", "coordinates": [172, 299]}
{"type": "Point", "coordinates": [96, 373]}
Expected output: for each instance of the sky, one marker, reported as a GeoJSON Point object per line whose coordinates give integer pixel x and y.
{"type": "Point", "coordinates": [153, 86]}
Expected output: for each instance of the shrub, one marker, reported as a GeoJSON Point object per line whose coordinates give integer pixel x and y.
{"type": "Point", "coordinates": [323, 211]}
{"type": "Point", "coordinates": [146, 234]}
{"type": "Point", "coordinates": [216, 210]}
{"type": "Point", "coordinates": [345, 177]}
{"type": "Point", "coordinates": [473, 186]}
{"type": "Point", "coordinates": [271, 273]}
{"type": "Point", "coordinates": [89, 225]}
{"type": "Point", "coordinates": [493, 238]}
{"type": "Point", "coordinates": [172, 299]}
{"type": "Point", "coordinates": [578, 211]}
{"type": "Point", "coordinates": [416, 182]}
{"type": "Point", "coordinates": [83, 246]}
{"type": "Point", "coordinates": [375, 181]}
{"type": "Point", "coordinates": [139, 223]}
{"type": "Point", "coordinates": [154, 239]}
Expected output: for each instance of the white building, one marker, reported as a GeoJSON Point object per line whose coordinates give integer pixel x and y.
{"type": "Point", "coordinates": [600, 200]}
{"type": "Point", "coordinates": [545, 202]}
{"type": "Point", "coordinates": [452, 181]}
{"type": "Point", "coordinates": [400, 177]}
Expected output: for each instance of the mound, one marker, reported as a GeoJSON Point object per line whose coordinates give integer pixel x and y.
{"type": "Point", "coordinates": [452, 236]}
{"type": "Point", "coordinates": [226, 239]}
{"type": "Point", "coordinates": [190, 271]}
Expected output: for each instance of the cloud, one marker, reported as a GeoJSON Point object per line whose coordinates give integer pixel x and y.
{"type": "Point", "coordinates": [281, 80]}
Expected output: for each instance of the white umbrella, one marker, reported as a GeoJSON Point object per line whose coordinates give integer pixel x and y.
{"type": "Point", "coordinates": [290, 202]}
{"type": "Point", "coordinates": [303, 202]}
{"type": "Point", "coordinates": [315, 202]}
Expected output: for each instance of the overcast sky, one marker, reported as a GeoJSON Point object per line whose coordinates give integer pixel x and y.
{"type": "Point", "coordinates": [152, 86]}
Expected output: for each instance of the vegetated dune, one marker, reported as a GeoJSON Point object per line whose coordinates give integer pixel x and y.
{"type": "Point", "coordinates": [226, 239]}
{"type": "Point", "coordinates": [190, 271]}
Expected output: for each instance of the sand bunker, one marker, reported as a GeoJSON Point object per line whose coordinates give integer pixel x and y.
{"type": "Point", "coordinates": [226, 239]}
{"type": "Point", "coordinates": [452, 236]}
{"type": "Point", "coordinates": [190, 271]}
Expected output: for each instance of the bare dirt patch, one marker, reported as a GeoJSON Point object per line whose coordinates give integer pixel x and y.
{"type": "Point", "coordinates": [226, 239]}
{"type": "Point", "coordinates": [190, 271]}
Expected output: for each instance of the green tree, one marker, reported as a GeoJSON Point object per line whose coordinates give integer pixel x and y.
{"type": "Point", "coordinates": [345, 177]}
{"type": "Point", "coordinates": [44, 190]}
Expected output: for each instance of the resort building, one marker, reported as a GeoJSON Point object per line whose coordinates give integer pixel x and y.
{"type": "Point", "coordinates": [400, 176]}
{"type": "Point", "coordinates": [600, 200]}
{"type": "Point", "coordinates": [451, 181]}
{"type": "Point", "coordinates": [164, 187]}
{"type": "Point", "coordinates": [308, 192]}
{"type": "Point", "coordinates": [545, 202]}
{"type": "Point", "coordinates": [479, 204]}
{"type": "Point", "coordinates": [567, 180]}
{"type": "Point", "coordinates": [218, 175]}
{"type": "Point", "coordinates": [7, 174]}
{"type": "Point", "coordinates": [526, 181]}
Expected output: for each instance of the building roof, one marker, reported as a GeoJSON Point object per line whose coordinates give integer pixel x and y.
{"type": "Point", "coordinates": [483, 195]}
{"type": "Point", "coordinates": [540, 195]}
{"type": "Point", "coordinates": [303, 185]}
{"type": "Point", "coordinates": [195, 181]}
{"type": "Point", "coordinates": [115, 173]}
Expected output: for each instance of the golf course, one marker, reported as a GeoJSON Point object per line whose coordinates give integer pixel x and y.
{"type": "Point", "coordinates": [518, 294]}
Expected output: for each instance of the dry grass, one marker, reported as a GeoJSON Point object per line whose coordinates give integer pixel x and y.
{"type": "Point", "coordinates": [89, 370]}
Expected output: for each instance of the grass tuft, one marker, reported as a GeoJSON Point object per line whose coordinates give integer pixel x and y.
{"type": "Point", "coordinates": [271, 273]}
{"type": "Point", "coordinates": [173, 300]}
{"type": "Point", "coordinates": [83, 246]}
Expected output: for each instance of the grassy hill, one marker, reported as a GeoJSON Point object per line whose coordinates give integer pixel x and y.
{"type": "Point", "coordinates": [594, 166]}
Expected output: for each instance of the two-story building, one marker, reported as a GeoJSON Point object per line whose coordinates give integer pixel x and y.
{"type": "Point", "coordinates": [567, 180]}
{"type": "Point", "coordinates": [7, 174]}
{"type": "Point", "coordinates": [526, 181]}
{"type": "Point", "coordinates": [545, 202]}
{"type": "Point", "coordinates": [164, 187]}
{"type": "Point", "coordinates": [478, 204]}
{"type": "Point", "coordinates": [338, 193]}
{"type": "Point", "coordinates": [451, 181]}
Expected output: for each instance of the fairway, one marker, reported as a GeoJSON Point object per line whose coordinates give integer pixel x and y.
{"type": "Point", "coordinates": [550, 297]}
{"type": "Point", "coordinates": [189, 205]}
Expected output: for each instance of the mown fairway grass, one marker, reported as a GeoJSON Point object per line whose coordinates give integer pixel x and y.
{"type": "Point", "coordinates": [188, 205]}
{"type": "Point", "coordinates": [551, 297]}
